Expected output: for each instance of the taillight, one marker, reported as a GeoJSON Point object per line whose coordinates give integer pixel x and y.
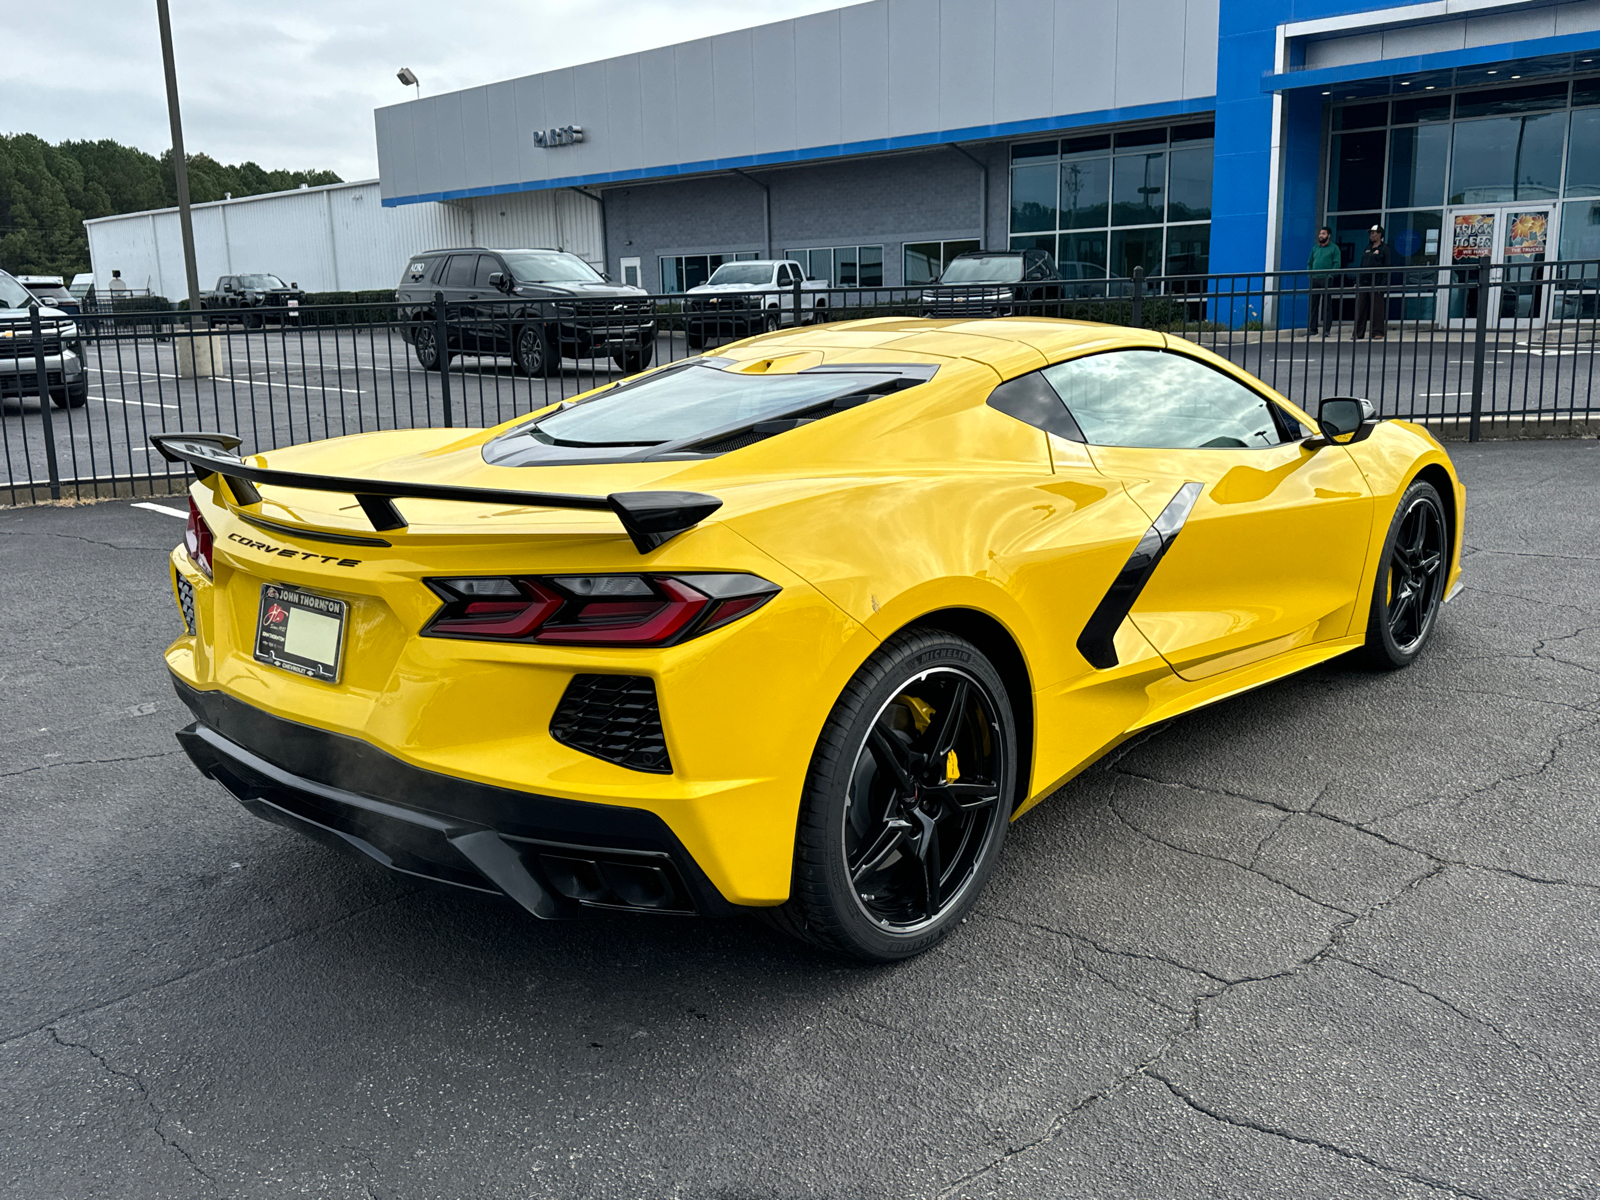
{"type": "Point", "coordinates": [197, 539]}
{"type": "Point", "coordinates": [594, 610]}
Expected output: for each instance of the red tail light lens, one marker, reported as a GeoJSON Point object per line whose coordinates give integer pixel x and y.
{"type": "Point", "coordinates": [594, 610]}
{"type": "Point", "coordinates": [197, 539]}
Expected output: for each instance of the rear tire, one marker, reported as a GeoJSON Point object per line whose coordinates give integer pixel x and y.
{"type": "Point", "coordinates": [906, 802]}
{"type": "Point", "coordinates": [426, 347]}
{"type": "Point", "coordinates": [771, 323]}
{"type": "Point", "coordinates": [694, 339]}
{"type": "Point", "coordinates": [1409, 589]}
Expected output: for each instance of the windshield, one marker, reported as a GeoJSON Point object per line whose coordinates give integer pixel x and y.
{"type": "Point", "coordinates": [742, 273]}
{"type": "Point", "coordinates": [12, 293]}
{"type": "Point", "coordinates": [690, 402]}
{"type": "Point", "coordinates": [549, 266]}
{"type": "Point", "coordinates": [996, 268]}
{"type": "Point", "coordinates": [257, 282]}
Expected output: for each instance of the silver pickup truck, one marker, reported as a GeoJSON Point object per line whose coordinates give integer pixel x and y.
{"type": "Point", "coordinates": [750, 297]}
{"type": "Point", "coordinates": [19, 362]}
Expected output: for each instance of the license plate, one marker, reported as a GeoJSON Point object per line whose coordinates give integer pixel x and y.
{"type": "Point", "coordinates": [294, 304]}
{"type": "Point", "coordinates": [300, 632]}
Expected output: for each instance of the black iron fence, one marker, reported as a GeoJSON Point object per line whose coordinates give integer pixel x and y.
{"type": "Point", "coordinates": [1465, 350]}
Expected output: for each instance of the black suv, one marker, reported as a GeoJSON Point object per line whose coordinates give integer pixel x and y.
{"type": "Point", "coordinates": [996, 283]}
{"type": "Point", "coordinates": [537, 306]}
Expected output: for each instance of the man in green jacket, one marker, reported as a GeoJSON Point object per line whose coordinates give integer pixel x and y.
{"type": "Point", "coordinates": [1325, 257]}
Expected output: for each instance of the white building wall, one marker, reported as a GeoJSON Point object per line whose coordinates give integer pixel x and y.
{"type": "Point", "coordinates": [335, 238]}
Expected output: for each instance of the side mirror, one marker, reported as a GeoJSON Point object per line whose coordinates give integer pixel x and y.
{"type": "Point", "coordinates": [497, 280]}
{"type": "Point", "coordinates": [1340, 415]}
{"type": "Point", "coordinates": [294, 285]}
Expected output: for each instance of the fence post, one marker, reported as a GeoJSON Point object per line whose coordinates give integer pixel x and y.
{"type": "Point", "coordinates": [1480, 340]}
{"type": "Point", "coordinates": [796, 304]}
{"type": "Point", "coordinates": [1138, 297]}
{"type": "Point", "coordinates": [441, 343]}
{"type": "Point", "coordinates": [45, 402]}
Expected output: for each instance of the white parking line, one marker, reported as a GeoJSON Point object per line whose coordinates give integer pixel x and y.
{"type": "Point", "coordinates": [181, 514]}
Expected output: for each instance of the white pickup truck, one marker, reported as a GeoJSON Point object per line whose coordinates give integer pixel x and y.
{"type": "Point", "coordinates": [754, 296]}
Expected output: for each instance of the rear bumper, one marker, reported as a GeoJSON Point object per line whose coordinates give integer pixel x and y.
{"type": "Point", "coordinates": [554, 857]}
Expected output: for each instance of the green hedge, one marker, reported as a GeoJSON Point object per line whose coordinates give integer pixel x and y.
{"type": "Point", "coordinates": [349, 308]}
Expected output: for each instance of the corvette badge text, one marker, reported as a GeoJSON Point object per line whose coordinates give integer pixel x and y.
{"type": "Point", "coordinates": [285, 552]}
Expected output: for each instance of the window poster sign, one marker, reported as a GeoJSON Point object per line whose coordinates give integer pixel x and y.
{"type": "Point", "coordinates": [1472, 237]}
{"type": "Point", "coordinates": [1527, 234]}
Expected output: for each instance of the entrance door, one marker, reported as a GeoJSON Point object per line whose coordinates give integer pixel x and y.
{"type": "Point", "coordinates": [1514, 240]}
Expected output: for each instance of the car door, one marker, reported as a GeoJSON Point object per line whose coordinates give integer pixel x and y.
{"type": "Point", "coordinates": [460, 273]}
{"type": "Point", "coordinates": [492, 316]}
{"type": "Point", "coordinates": [1265, 529]}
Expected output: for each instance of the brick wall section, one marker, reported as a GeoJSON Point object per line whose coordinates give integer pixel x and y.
{"type": "Point", "coordinates": [919, 196]}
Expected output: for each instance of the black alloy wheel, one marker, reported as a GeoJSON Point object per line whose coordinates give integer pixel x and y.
{"type": "Point", "coordinates": [426, 347]}
{"type": "Point", "coordinates": [907, 801]}
{"type": "Point", "coordinates": [1409, 589]}
{"type": "Point", "coordinates": [530, 352]}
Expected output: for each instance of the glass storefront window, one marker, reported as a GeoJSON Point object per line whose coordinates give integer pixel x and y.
{"type": "Point", "coordinates": [1109, 180]}
{"type": "Point", "coordinates": [842, 266]}
{"type": "Point", "coordinates": [1188, 249]}
{"type": "Point", "coordinates": [1087, 248]}
{"type": "Point", "coordinates": [1189, 187]}
{"type": "Point", "coordinates": [924, 262]}
{"type": "Point", "coordinates": [1132, 248]}
{"type": "Point", "coordinates": [1033, 197]}
{"type": "Point", "coordinates": [1414, 237]}
{"type": "Point", "coordinates": [1421, 108]}
{"type": "Point", "coordinates": [1530, 97]}
{"type": "Point", "coordinates": [1361, 116]}
{"type": "Point", "coordinates": [1583, 154]}
{"type": "Point", "coordinates": [1137, 188]}
{"type": "Point", "coordinates": [1417, 164]}
{"type": "Point", "coordinates": [1085, 184]}
{"type": "Point", "coordinates": [1580, 230]}
{"type": "Point", "coordinates": [1585, 91]}
{"type": "Point", "coordinates": [1510, 158]}
{"type": "Point", "coordinates": [1356, 170]}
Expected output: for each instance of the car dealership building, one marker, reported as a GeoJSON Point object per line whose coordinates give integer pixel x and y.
{"type": "Point", "coordinates": [875, 141]}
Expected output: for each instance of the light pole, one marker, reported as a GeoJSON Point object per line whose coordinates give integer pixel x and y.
{"type": "Point", "coordinates": [409, 77]}
{"type": "Point", "coordinates": [180, 164]}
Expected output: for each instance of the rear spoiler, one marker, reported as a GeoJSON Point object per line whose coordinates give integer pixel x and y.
{"type": "Point", "coordinates": [650, 518]}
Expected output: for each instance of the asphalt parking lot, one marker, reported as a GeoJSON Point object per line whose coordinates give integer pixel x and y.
{"type": "Point", "coordinates": [1339, 937]}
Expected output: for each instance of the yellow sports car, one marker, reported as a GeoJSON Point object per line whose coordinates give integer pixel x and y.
{"type": "Point", "coordinates": [796, 628]}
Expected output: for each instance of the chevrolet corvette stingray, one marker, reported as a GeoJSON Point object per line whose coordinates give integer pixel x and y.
{"type": "Point", "coordinates": [797, 628]}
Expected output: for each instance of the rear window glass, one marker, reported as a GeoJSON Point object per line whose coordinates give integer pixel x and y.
{"type": "Point", "coordinates": [675, 406]}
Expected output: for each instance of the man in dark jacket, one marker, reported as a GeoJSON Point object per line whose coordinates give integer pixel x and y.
{"type": "Point", "coordinates": [1372, 299]}
{"type": "Point", "coordinates": [1325, 260]}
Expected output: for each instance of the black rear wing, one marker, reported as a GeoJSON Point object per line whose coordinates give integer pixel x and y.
{"type": "Point", "coordinates": [650, 518]}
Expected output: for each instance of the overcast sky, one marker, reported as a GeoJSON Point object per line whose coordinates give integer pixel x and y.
{"type": "Point", "coordinates": [292, 83]}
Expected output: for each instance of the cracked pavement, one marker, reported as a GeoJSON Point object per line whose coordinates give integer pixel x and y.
{"type": "Point", "coordinates": [1337, 937]}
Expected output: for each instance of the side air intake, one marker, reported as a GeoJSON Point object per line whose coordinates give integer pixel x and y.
{"type": "Point", "coordinates": [615, 718]}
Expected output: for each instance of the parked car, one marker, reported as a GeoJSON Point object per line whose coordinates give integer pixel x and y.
{"type": "Point", "coordinates": [754, 296]}
{"type": "Point", "coordinates": [535, 306]}
{"type": "Point", "coordinates": [51, 290]}
{"type": "Point", "coordinates": [770, 630]}
{"type": "Point", "coordinates": [252, 300]}
{"type": "Point", "coordinates": [1089, 281]}
{"type": "Point", "coordinates": [996, 283]}
{"type": "Point", "coordinates": [65, 379]}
